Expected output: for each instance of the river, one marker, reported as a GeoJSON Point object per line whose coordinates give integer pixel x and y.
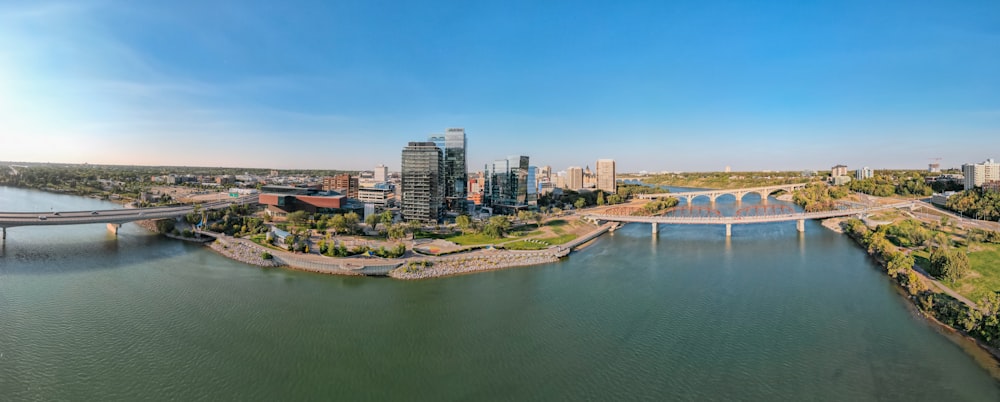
{"type": "Point", "coordinates": [769, 314]}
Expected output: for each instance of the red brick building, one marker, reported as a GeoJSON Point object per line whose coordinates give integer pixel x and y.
{"type": "Point", "coordinates": [282, 204]}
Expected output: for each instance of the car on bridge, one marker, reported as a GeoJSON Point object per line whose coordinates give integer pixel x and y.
{"type": "Point", "coordinates": [41, 217]}
{"type": "Point", "coordinates": [93, 213]}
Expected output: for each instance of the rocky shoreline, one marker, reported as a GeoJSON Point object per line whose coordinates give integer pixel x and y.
{"type": "Point", "coordinates": [243, 253]}
{"type": "Point", "coordinates": [487, 261]}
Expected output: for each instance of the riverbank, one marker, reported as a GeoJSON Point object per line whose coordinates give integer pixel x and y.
{"type": "Point", "coordinates": [923, 298]}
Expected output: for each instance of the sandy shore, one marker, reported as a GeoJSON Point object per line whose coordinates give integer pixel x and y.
{"type": "Point", "coordinates": [833, 224]}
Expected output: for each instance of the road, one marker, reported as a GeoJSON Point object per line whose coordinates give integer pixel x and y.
{"type": "Point", "coordinates": [48, 218]}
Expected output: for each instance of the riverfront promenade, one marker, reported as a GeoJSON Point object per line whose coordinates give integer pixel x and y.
{"type": "Point", "coordinates": [415, 267]}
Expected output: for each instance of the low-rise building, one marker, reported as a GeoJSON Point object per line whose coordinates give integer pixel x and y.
{"type": "Point", "coordinates": [941, 198]}
{"type": "Point", "coordinates": [280, 205]}
{"type": "Point", "coordinates": [839, 170]}
{"type": "Point", "coordinates": [380, 197]}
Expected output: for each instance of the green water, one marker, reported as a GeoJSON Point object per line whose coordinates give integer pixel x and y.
{"type": "Point", "coordinates": [768, 315]}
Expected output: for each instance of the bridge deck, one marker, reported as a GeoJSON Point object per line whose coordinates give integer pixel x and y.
{"type": "Point", "coordinates": [14, 219]}
{"type": "Point", "coordinates": [743, 219]}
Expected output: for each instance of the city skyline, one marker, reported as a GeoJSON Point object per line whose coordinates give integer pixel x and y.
{"type": "Point", "coordinates": [659, 87]}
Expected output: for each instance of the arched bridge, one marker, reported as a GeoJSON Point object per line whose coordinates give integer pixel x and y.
{"type": "Point", "coordinates": [712, 195]}
{"type": "Point", "coordinates": [113, 217]}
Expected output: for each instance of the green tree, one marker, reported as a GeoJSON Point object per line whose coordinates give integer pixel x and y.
{"type": "Point", "coordinates": [386, 218]}
{"type": "Point", "coordinates": [165, 225]}
{"type": "Point", "coordinates": [298, 218]}
{"type": "Point", "coordinates": [352, 219]}
{"type": "Point", "coordinates": [373, 220]}
{"type": "Point", "coordinates": [463, 222]}
{"type": "Point", "coordinates": [397, 231]}
{"type": "Point", "coordinates": [338, 224]}
{"type": "Point", "coordinates": [496, 227]}
{"type": "Point", "coordinates": [580, 203]}
{"type": "Point", "coordinates": [600, 198]}
{"type": "Point", "coordinates": [949, 264]}
{"type": "Point", "coordinates": [526, 216]}
{"type": "Point", "coordinates": [899, 263]}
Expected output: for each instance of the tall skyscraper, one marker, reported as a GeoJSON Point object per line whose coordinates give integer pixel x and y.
{"type": "Point", "coordinates": [381, 173]}
{"type": "Point", "coordinates": [574, 178]}
{"type": "Point", "coordinates": [422, 182]}
{"type": "Point", "coordinates": [456, 174]}
{"type": "Point", "coordinates": [606, 175]}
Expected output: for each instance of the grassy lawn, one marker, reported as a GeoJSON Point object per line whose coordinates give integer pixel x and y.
{"type": "Point", "coordinates": [985, 278]}
{"type": "Point", "coordinates": [556, 223]}
{"type": "Point", "coordinates": [525, 245]}
{"type": "Point", "coordinates": [472, 239]}
{"type": "Point", "coordinates": [885, 216]}
{"type": "Point", "coordinates": [560, 239]}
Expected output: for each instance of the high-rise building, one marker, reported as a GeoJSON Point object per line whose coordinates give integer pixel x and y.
{"type": "Point", "coordinates": [837, 171]}
{"type": "Point", "coordinates": [574, 178]}
{"type": "Point", "coordinates": [976, 174]}
{"type": "Point", "coordinates": [560, 181]}
{"type": "Point", "coordinates": [507, 185]}
{"type": "Point", "coordinates": [456, 174]}
{"type": "Point", "coordinates": [606, 175]}
{"type": "Point", "coordinates": [343, 183]}
{"type": "Point", "coordinates": [589, 179]}
{"type": "Point", "coordinates": [381, 173]}
{"type": "Point", "coordinates": [531, 184]}
{"type": "Point", "coordinates": [545, 173]}
{"type": "Point", "coordinates": [422, 182]}
{"type": "Point", "coordinates": [864, 173]}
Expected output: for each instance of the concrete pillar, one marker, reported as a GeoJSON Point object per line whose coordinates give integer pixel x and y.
{"type": "Point", "coordinates": [800, 225]}
{"type": "Point", "coordinates": [113, 228]}
{"type": "Point", "coordinates": [729, 230]}
{"type": "Point", "coordinates": [5, 233]}
{"type": "Point", "coordinates": [655, 232]}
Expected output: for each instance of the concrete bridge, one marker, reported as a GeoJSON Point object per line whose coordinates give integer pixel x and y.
{"type": "Point", "coordinates": [729, 221]}
{"type": "Point", "coordinates": [738, 193]}
{"type": "Point", "coordinates": [114, 218]}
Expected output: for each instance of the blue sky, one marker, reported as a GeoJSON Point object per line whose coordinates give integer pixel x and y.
{"type": "Point", "coordinates": [657, 85]}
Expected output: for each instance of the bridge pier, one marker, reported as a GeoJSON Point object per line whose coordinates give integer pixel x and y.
{"type": "Point", "coordinates": [4, 233]}
{"type": "Point", "coordinates": [113, 228]}
{"type": "Point", "coordinates": [800, 225]}
{"type": "Point", "coordinates": [656, 230]}
{"type": "Point", "coordinates": [729, 230]}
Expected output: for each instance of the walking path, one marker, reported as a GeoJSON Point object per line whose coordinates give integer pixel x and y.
{"type": "Point", "coordinates": [416, 267]}
{"type": "Point", "coordinates": [944, 289]}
